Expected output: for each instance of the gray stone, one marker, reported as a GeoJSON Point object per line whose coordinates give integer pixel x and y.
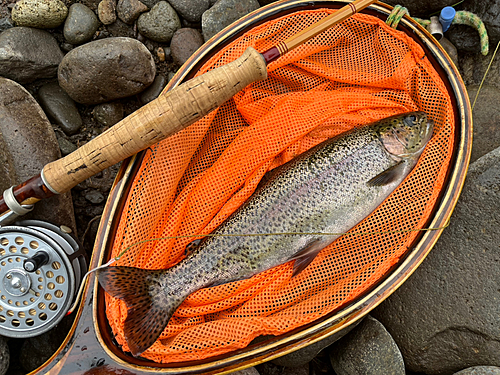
{"type": "Point", "coordinates": [4, 356]}
{"type": "Point", "coordinates": [121, 29]}
{"type": "Point", "coordinates": [486, 117]}
{"type": "Point", "coordinates": [66, 146]}
{"type": "Point", "coordinates": [28, 54]}
{"type": "Point", "coordinates": [303, 356]}
{"type": "Point", "coordinates": [129, 10]}
{"type": "Point", "coordinates": [28, 143]}
{"type": "Point", "coordinates": [154, 90]}
{"type": "Point", "coordinates": [107, 11]}
{"type": "Point", "coordinates": [42, 14]}
{"type": "Point", "coordinates": [81, 24]}
{"type": "Point", "coordinates": [422, 8]}
{"type": "Point", "coordinates": [247, 371]}
{"type": "Point", "coordinates": [190, 10]}
{"type": "Point", "coordinates": [5, 24]}
{"type": "Point", "coordinates": [160, 23]}
{"type": "Point", "coordinates": [480, 370]}
{"type": "Point", "coordinates": [94, 196]}
{"type": "Point", "coordinates": [473, 67]}
{"type": "Point", "coordinates": [446, 316]}
{"type": "Point", "coordinates": [60, 108]}
{"type": "Point", "coordinates": [109, 114]}
{"type": "Point", "coordinates": [120, 67]}
{"type": "Point", "coordinates": [184, 43]}
{"type": "Point", "coordinates": [224, 13]}
{"type": "Point", "coordinates": [369, 350]}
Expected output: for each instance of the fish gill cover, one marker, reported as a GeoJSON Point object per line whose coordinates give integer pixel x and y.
{"type": "Point", "coordinates": [355, 73]}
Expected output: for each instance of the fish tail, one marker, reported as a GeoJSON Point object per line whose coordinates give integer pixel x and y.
{"type": "Point", "coordinates": [148, 308]}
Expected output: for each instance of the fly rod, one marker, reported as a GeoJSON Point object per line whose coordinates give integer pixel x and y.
{"type": "Point", "coordinates": [159, 119]}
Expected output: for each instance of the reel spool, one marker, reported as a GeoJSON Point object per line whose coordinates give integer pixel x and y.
{"type": "Point", "coordinates": [41, 268]}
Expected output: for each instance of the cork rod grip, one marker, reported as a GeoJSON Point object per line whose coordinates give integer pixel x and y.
{"type": "Point", "coordinates": [156, 121]}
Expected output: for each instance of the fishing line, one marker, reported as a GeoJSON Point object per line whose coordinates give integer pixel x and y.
{"type": "Point", "coordinates": [113, 260]}
{"type": "Point", "coordinates": [485, 74]}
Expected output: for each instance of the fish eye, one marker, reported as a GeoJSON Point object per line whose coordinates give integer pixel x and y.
{"type": "Point", "coordinates": [413, 118]}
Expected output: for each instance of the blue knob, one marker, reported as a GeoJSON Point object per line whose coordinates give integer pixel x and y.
{"type": "Point", "coordinates": [446, 17]}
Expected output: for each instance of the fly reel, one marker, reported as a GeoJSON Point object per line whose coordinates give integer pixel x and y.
{"type": "Point", "coordinates": [41, 268]}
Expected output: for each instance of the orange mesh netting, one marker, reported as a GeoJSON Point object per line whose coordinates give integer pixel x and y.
{"type": "Point", "coordinates": [357, 72]}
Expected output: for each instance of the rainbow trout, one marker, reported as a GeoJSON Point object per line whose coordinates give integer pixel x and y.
{"type": "Point", "coordinates": [328, 189]}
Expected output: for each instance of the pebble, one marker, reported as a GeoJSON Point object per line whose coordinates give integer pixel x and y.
{"type": "Point", "coordinates": [107, 11]}
{"type": "Point", "coordinates": [81, 24]}
{"type": "Point", "coordinates": [445, 317]}
{"type": "Point", "coordinates": [60, 107]}
{"type": "Point", "coordinates": [28, 143]}
{"type": "Point", "coordinates": [120, 28]}
{"type": "Point", "coordinates": [5, 24]}
{"type": "Point", "coordinates": [369, 350]}
{"type": "Point", "coordinates": [94, 197]}
{"type": "Point", "coordinates": [224, 13]}
{"type": "Point", "coordinates": [4, 356]}
{"type": "Point", "coordinates": [480, 370]}
{"type": "Point", "coordinates": [184, 43]}
{"type": "Point", "coordinates": [154, 90]}
{"type": "Point", "coordinates": [42, 14]}
{"type": "Point", "coordinates": [108, 114]}
{"type": "Point", "coordinates": [129, 10]}
{"type": "Point", "coordinates": [160, 52]}
{"type": "Point", "coordinates": [66, 146]}
{"type": "Point", "coordinates": [190, 10]}
{"type": "Point", "coordinates": [160, 23]}
{"type": "Point", "coordinates": [27, 54]}
{"type": "Point", "coordinates": [120, 67]}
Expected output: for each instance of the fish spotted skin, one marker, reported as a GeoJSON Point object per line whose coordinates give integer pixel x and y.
{"type": "Point", "coordinates": [328, 189]}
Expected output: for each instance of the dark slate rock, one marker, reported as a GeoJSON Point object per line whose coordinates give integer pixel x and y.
{"type": "Point", "coordinates": [422, 8]}
{"type": "Point", "coordinates": [42, 14]}
{"type": "Point", "coordinates": [480, 370]}
{"type": "Point", "coordinates": [81, 24]}
{"type": "Point", "coordinates": [106, 11]}
{"type": "Point", "coordinates": [29, 142]}
{"type": "Point", "coordinates": [224, 13]}
{"type": "Point", "coordinates": [154, 90]}
{"type": "Point", "coordinates": [303, 356]}
{"type": "Point", "coordinates": [120, 67]}
{"type": "Point", "coordinates": [160, 23]}
{"type": "Point", "coordinates": [184, 43]}
{"type": "Point", "coordinates": [486, 117]}
{"type": "Point", "coordinates": [28, 54]}
{"type": "Point", "coordinates": [129, 10]}
{"type": "Point", "coordinates": [369, 350]}
{"type": "Point", "coordinates": [4, 356]}
{"type": "Point", "coordinates": [109, 114]}
{"type": "Point", "coordinates": [5, 24]}
{"type": "Point", "coordinates": [247, 371]}
{"type": "Point", "coordinates": [60, 108]}
{"type": "Point", "coordinates": [446, 316]}
{"type": "Point", "coordinates": [66, 146]}
{"type": "Point", "coordinates": [190, 10]}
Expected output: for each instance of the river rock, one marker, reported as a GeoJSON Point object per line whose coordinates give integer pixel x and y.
{"type": "Point", "coordinates": [486, 117]}
{"type": "Point", "coordinates": [369, 350]}
{"type": "Point", "coordinates": [445, 317]}
{"type": "Point", "coordinates": [66, 146]}
{"type": "Point", "coordinates": [106, 11]}
{"type": "Point", "coordinates": [5, 24]}
{"type": "Point", "coordinates": [154, 90]}
{"type": "Point", "coordinates": [120, 67]}
{"type": "Point", "coordinates": [29, 143]}
{"type": "Point", "coordinates": [42, 14]}
{"type": "Point", "coordinates": [190, 10]}
{"type": "Point", "coordinates": [184, 43]}
{"type": "Point", "coordinates": [28, 54]}
{"type": "Point", "coordinates": [224, 13]}
{"type": "Point", "coordinates": [247, 371]}
{"type": "Point", "coordinates": [422, 8]}
{"type": "Point", "coordinates": [129, 10]}
{"type": "Point", "coordinates": [60, 107]}
{"type": "Point", "coordinates": [81, 24]}
{"type": "Point", "coordinates": [109, 114]}
{"type": "Point", "coordinates": [160, 23]}
{"type": "Point", "coordinates": [480, 370]}
{"type": "Point", "coordinates": [4, 356]}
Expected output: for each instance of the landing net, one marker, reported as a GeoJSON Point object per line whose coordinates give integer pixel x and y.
{"type": "Point", "coordinates": [355, 73]}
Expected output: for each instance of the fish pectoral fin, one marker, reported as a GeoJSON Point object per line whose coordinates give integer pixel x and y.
{"type": "Point", "coordinates": [148, 312]}
{"type": "Point", "coordinates": [305, 256]}
{"type": "Point", "coordinates": [192, 246]}
{"type": "Point", "coordinates": [387, 176]}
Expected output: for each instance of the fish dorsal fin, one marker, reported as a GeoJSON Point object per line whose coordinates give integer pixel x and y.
{"type": "Point", "coordinates": [305, 256]}
{"type": "Point", "coordinates": [389, 175]}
